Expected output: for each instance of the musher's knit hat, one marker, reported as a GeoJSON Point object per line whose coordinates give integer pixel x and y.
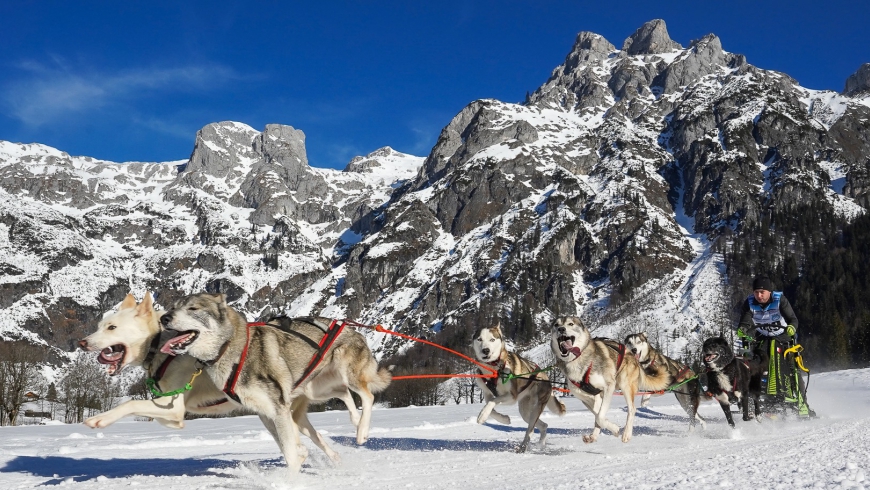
{"type": "Point", "coordinates": [762, 282]}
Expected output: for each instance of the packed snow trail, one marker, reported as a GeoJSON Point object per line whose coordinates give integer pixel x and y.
{"type": "Point", "coordinates": [442, 447]}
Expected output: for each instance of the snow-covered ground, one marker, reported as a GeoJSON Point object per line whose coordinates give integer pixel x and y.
{"type": "Point", "coordinates": [442, 447]}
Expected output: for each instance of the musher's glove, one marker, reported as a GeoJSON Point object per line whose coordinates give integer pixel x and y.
{"type": "Point", "coordinates": [789, 329]}
{"type": "Point", "coordinates": [746, 335]}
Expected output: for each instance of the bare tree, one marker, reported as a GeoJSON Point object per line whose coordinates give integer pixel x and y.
{"type": "Point", "coordinates": [19, 373]}
{"type": "Point", "coordinates": [470, 388]}
{"type": "Point", "coordinates": [86, 389]}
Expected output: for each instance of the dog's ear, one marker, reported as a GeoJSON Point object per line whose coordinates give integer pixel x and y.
{"type": "Point", "coordinates": [220, 297]}
{"type": "Point", "coordinates": [643, 336]}
{"type": "Point", "coordinates": [499, 330]}
{"type": "Point", "coordinates": [146, 306]}
{"type": "Point", "coordinates": [129, 302]}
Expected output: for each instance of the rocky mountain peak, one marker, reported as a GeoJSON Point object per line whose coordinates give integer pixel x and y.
{"type": "Point", "coordinates": [651, 38]}
{"type": "Point", "coordinates": [385, 165]}
{"type": "Point", "coordinates": [283, 145]}
{"type": "Point", "coordinates": [355, 164]}
{"type": "Point", "coordinates": [219, 147]}
{"type": "Point", "coordinates": [858, 82]}
{"type": "Point", "coordinates": [588, 47]}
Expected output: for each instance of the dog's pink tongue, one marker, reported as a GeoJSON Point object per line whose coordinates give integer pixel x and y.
{"type": "Point", "coordinates": [569, 347]}
{"type": "Point", "coordinates": [108, 356]}
{"type": "Point", "coordinates": [167, 347]}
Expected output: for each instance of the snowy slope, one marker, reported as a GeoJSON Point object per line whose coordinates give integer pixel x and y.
{"type": "Point", "coordinates": [442, 447]}
{"type": "Point", "coordinates": [77, 233]}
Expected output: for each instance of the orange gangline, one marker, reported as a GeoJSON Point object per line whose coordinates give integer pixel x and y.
{"type": "Point", "coordinates": [378, 328]}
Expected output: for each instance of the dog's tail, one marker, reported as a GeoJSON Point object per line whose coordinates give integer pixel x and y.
{"type": "Point", "coordinates": [555, 405]}
{"type": "Point", "coordinates": [381, 379]}
{"type": "Point", "coordinates": [657, 379]}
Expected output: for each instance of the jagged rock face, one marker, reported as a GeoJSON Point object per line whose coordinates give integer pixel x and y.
{"type": "Point", "coordinates": [651, 38]}
{"type": "Point", "coordinates": [533, 206]}
{"type": "Point", "coordinates": [859, 82]}
{"type": "Point", "coordinates": [851, 135]}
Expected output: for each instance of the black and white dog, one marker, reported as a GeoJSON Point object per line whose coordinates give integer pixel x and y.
{"type": "Point", "coordinates": [730, 379]}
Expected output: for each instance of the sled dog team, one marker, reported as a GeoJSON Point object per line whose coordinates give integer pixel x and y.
{"type": "Point", "coordinates": [203, 357]}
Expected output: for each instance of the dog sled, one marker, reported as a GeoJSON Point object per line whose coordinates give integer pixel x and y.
{"type": "Point", "coordinates": [781, 381]}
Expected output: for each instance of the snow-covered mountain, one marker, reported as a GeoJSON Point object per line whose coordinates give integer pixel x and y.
{"type": "Point", "coordinates": [599, 195]}
{"type": "Point", "coordinates": [245, 215]}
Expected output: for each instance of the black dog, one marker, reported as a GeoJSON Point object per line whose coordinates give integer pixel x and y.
{"type": "Point", "coordinates": [730, 379]}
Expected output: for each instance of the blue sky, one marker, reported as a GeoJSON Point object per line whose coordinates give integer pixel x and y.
{"type": "Point", "coordinates": [129, 80]}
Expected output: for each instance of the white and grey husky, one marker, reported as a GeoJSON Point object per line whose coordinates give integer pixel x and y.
{"type": "Point", "coordinates": [271, 369]}
{"type": "Point", "coordinates": [533, 392]}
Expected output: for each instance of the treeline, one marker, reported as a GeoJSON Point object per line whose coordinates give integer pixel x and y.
{"type": "Point", "coordinates": [81, 389]}
{"type": "Point", "coordinates": [821, 262]}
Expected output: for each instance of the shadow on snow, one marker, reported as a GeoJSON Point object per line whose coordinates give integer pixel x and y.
{"type": "Point", "coordinates": [414, 444]}
{"type": "Point", "coordinates": [59, 468]}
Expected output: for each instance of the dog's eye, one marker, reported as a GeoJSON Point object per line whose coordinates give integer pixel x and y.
{"type": "Point", "coordinates": [192, 308]}
{"type": "Point", "coordinates": [111, 327]}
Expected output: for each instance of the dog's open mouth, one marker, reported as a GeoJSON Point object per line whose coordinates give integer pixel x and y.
{"type": "Point", "coordinates": [179, 344]}
{"type": "Point", "coordinates": [112, 357]}
{"type": "Point", "coordinates": [710, 357]}
{"type": "Point", "coordinates": [566, 344]}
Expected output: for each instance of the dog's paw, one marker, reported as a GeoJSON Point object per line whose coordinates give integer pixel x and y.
{"type": "Point", "coordinates": [335, 458]}
{"type": "Point", "coordinates": [98, 422]}
{"type": "Point", "coordinates": [626, 437]}
{"type": "Point", "coordinates": [588, 439]}
{"type": "Point", "coordinates": [504, 419]}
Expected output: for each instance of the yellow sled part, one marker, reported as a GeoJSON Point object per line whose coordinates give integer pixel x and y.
{"type": "Point", "coordinates": [797, 349]}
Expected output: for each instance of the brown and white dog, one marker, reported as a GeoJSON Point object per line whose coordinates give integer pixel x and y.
{"type": "Point", "coordinates": [658, 366]}
{"type": "Point", "coordinates": [533, 392]}
{"type": "Point", "coordinates": [595, 369]}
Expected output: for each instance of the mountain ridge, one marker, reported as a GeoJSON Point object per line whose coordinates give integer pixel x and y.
{"type": "Point", "coordinates": [601, 195]}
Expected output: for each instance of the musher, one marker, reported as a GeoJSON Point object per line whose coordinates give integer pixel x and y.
{"type": "Point", "coordinates": [769, 324]}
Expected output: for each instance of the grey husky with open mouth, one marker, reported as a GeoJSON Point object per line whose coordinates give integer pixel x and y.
{"type": "Point", "coordinates": [274, 369]}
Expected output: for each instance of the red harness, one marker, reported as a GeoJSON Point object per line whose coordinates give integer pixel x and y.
{"type": "Point", "coordinates": [585, 385]}
{"type": "Point", "coordinates": [323, 347]}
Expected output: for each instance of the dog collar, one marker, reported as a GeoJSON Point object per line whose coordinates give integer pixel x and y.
{"type": "Point", "coordinates": [152, 351]}
{"type": "Point", "coordinates": [221, 352]}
